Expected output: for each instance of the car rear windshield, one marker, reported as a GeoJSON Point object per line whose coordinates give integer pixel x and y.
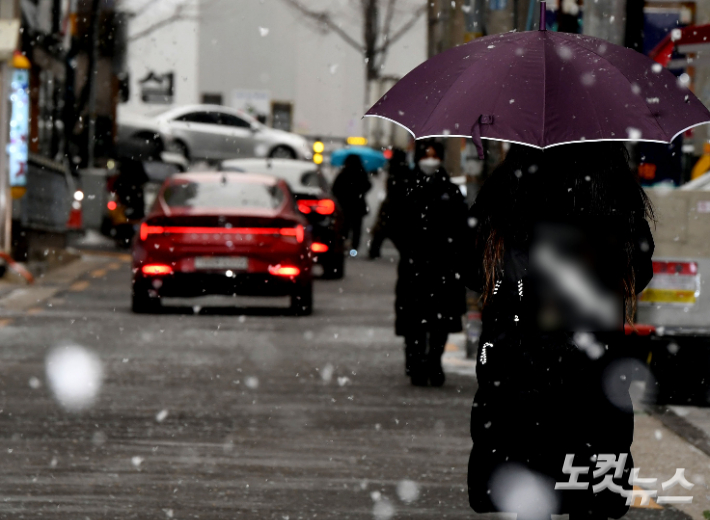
{"type": "Point", "coordinates": [295, 177]}
{"type": "Point", "coordinates": [223, 195]}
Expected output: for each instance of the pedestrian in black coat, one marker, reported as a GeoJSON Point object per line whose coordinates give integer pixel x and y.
{"type": "Point", "coordinates": [559, 248]}
{"type": "Point", "coordinates": [429, 230]}
{"type": "Point", "coordinates": [349, 188]}
{"type": "Point", "coordinates": [398, 175]}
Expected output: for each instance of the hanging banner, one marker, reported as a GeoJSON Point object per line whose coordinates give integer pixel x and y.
{"type": "Point", "coordinates": [17, 147]}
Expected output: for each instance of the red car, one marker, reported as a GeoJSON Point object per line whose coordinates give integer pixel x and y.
{"type": "Point", "coordinates": [223, 233]}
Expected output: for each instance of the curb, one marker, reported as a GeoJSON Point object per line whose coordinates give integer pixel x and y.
{"type": "Point", "coordinates": [681, 427]}
{"type": "Point", "coordinates": [20, 297]}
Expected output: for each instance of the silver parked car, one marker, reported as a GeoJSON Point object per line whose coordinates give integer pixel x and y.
{"type": "Point", "coordinates": [212, 132]}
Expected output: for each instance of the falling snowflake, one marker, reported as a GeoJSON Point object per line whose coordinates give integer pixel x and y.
{"type": "Point", "coordinates": [383, 509]}
{"type": "Point", "coordinates": [74, 374]}
{"type": "Point", "coordinates": [263, 31]}
{"type": "Point", "coordinates": [588, 79]}
{"type": "Point", "coordinates": [565, 52]}
{"type": "Point", "coordinates": [137, 461]}
{"type": "Point", "coordinates": [326, 373]}
{"type": "Point", "coordinates": [634, 133]}
{"type": "Point", "coordinates": [252, 382]}
{"type": "Point", "coordinates": [407, 491]}
{"type": "Point", "coordinates": [161, 415]}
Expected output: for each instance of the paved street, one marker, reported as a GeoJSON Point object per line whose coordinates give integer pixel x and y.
{"type": "Point", "coordinates": [234, 412]}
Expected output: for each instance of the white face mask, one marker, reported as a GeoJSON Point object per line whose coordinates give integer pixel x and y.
{"type": "Point", "coordinates": [429, 165]}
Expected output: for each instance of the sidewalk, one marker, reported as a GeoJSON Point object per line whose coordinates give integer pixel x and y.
{"type": "Point", "coordinates": [17, 296]}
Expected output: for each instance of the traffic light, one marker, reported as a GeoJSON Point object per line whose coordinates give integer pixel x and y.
{"type": "Point", "coordinates": [318, 148]}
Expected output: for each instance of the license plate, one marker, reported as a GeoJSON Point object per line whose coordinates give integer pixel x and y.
{"type": "Point", "coordinates": [222, 262]}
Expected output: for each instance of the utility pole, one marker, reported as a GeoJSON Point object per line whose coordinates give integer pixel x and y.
{"type": "Point", "coordinates": [91, 78]}
{"type": "Point", "coordinates": [446, 28]}
{"type": "Point", "coordinates": [606, 19]}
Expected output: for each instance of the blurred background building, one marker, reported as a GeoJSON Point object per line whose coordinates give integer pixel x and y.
{"type": "Point", "coordinates": [296, 65]}
{"type": "Point", "coordinates": [306, 66]}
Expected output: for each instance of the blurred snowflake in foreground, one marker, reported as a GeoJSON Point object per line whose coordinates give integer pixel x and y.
{"type": "Point", "coordinates": [74, 374]}
{"type": "Point", "coordinates": [515, 488]}
{"type": "Point", "coordinates": [407, 491]}
{"type": "Point", "coordinates": [383, 509]}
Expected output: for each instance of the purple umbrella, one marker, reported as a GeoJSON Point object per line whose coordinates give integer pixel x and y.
{"type": "Point", "coordinates": [542, 89]}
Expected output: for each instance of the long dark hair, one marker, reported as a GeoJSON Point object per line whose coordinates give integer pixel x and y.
{"type": "Point", "coordinates": [586, 179]}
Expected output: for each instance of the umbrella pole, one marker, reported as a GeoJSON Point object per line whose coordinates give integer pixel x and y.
{"type": "Point", "coordinates": [543, 16]}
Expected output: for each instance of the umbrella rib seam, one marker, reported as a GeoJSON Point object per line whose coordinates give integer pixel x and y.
{"type": "Point", "coordinates": [448, 90]}
{"type": "Point", "coordinates": [591, 101]}
{"type": "Point", "coordinates": [544, 88]}
{"type": "Point", "coordinates": [655, 119]}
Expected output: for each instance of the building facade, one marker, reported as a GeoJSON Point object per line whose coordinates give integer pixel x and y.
{"type": "Point", "coordinates": [267, 58]}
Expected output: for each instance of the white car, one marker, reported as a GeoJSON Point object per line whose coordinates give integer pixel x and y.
{"type": "Point", "coordinates": [211, 132]}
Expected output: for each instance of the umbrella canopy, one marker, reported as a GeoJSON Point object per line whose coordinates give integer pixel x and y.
{"type": "Point", "coordinates": [542, 89]}
{"type": "Point", "coordinates": [371, 159]}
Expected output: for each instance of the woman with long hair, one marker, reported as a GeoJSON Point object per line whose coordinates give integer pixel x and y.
{"type": "Point", "coordinates": [560, 246]}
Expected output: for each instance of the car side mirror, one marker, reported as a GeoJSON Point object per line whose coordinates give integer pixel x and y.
{"type": "Point", "coordinates": [254, 128]}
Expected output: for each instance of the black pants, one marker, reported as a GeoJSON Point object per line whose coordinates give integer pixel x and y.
{"type": "Point", "coordinates": [379, 230]}
{"type": "Point", "coordinates": [378, 238]}
{"type": "Point", "coordinates": [352, 224]}
{"type": "Point", "coordinates": [423, 351]}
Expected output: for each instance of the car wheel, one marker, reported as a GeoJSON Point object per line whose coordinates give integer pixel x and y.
{"type": "Point", "coordinates": [282, 152]}
{"type": "Point", "coordinates": [142, 302]}
{"type": "Point", "coordinates": [302, 300]}
{"type": "Point", "coordinates": [334, 267]}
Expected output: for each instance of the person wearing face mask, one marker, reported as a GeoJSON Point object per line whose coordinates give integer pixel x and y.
{"type": "Point", "coordinates": [429, 230]}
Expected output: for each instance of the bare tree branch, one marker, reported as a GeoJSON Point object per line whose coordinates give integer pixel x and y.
{"type": "Point", "coordinates": [142, 9]}
{"type": "Point", "coordinates": [325, 19]}
{"type": "Point", "coordinates": [403, 30]}
{"type": "Point", "coordinates": [389, 14]}
{"type": "Point", "coordinates": [386, 30]}
{"type": "Point", "coordinates": [178, 14]}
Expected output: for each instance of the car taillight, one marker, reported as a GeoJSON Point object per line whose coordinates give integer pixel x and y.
{"type": "Point", "coordinates": [317, 247]}
{"type": "Point", "coordinates": [297, 232]}
{"type": "Point", "coordinates": [150, 230]}
{"type": "Point", "coordinates": [157, 269]}
{"type": "Point", "coordinates": [322, 206]}
{"type": "Point", "coordinates": [284, 270]}
{"type": "Point", "coordinates": [111, 205]}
